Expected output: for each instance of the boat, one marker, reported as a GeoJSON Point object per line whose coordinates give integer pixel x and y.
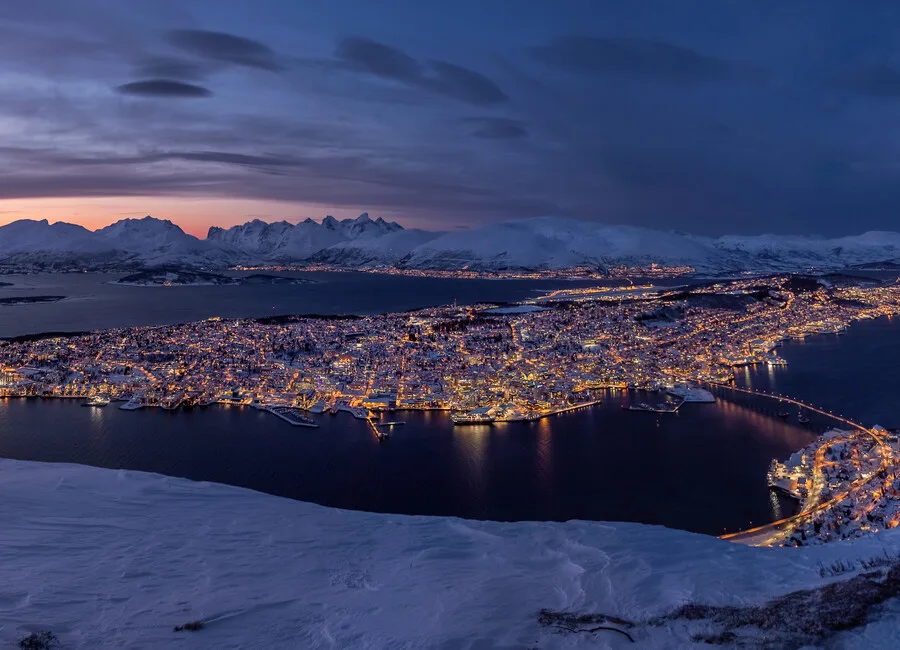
{"type": "Point", "coordinates": [475, 416]}
{"type": "Point", "coordinates": [98, 401]}
{"type": "Point", "coordinates": [802, 419]}
{"type": "Point", "coordinates": [783, 414]}
{"type": "Point", "coordinates": [292, 416]}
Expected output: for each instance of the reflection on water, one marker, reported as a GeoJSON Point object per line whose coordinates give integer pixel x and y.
{"type": "Point", "coordinates": [855, 373]}
{"type": "Point", "coordinates": [702, 469]}
{"type": "Point", "coordinates": [471, 446]}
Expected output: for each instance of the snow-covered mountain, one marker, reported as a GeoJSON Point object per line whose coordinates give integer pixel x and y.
{"type": "Point", "coordinates": [125, 244]}
{"type": "Point", "coordinates": [539, 243]}
{"type": "Point", "coordinates": [116, 559]}
{"type": "Point", "coordinates": [553, 243]}
{"type": "Point", "coordinates": [547, 242]}
{"type": "Point", "coordinates": [28, 236]}
{"type": "Point", "coordinates": [286, 242]}
{"type": "Point", "coordinates": [388, 249]}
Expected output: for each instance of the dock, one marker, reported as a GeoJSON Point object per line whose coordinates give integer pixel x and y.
{"type": "Point", "coordinates": [291, 416]}
{"type": "Point", "coordinates": [380, 434]}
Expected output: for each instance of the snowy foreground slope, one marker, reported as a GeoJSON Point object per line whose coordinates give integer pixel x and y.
{"type": "Point", "coordinates": [108, 558]}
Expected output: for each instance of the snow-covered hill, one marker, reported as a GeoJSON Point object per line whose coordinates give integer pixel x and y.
{"type": "Point", "coordinates": [117, 559]}
{"type": "Point", "coordinates": [539, 243]}
{"type": "Point", "coordinates": [285, 242]}
{"type": "Point", "coordinates": [388, 249]}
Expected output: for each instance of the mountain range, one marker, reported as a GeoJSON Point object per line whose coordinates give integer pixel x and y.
{"type": "Point", "coordinates": [528, 244]}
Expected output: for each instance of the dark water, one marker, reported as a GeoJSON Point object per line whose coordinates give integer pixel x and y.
{"type": "Point", "coordinates": [855, 374]}
{"type": "Point", "coordinates": [92, 303]}
{"type": "Point", "coordinates": [702, 469]}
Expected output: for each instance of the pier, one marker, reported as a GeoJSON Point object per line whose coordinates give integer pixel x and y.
{"type": "Point", "coordinates": [291, 416]}
{"type": "Point", "coordinates": [379, 433]}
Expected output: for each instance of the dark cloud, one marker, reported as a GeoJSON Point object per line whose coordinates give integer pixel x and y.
{"type": "Point", "coordinates": [879, 81]}
{"type": "Point", "coordinates": [496, 128]}
{"type": "Point", "coordinates": [465, 84]}
{"type": "Point", "coordinates": [631, 56]}
{"type": "Point", "coordinates": [163, 88]}
{"type": "Point", "coordinates": [379, 59]}
{"type": "Point", "coordinates": [448, 79]}
{"type": "Point", "coordinates": [260, 162]}
{"type": "Point", "coordinates": [171, 68]}
{"type": "Point", "coordinates": [228, 48]}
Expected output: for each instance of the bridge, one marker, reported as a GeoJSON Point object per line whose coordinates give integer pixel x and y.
{"type": "Point", "coordinates": [776, 531]}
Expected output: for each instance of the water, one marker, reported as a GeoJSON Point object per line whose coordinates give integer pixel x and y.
{"type": "Point", "coordinates": [702, 469]}
{"type": "Point", "coordinates": [855, 374]}
{"type": "Point", "coordinates": [92, 303]}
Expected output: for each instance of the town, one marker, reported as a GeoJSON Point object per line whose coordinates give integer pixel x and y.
{"type": "Point", "coordinates": [559, 351]}
{"type": "Point", "coordinates": [515, 362]}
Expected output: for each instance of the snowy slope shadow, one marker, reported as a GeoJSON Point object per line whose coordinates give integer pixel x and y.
{"type": "Point", "coordinates": [809, 616]}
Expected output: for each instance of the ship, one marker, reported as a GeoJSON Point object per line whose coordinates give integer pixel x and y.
{"type": "Point", "coordinates": [475, 416]}
{"type": "Point", "coordinates": [99, 401]}
{"type": "Point", "coordinates": [783, 414]}
{"type": "Point", "coordinates": [802, 419]}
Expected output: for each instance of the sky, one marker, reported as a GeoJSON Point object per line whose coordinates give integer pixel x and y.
{"type": "Point", "coordinates": [711, 116]}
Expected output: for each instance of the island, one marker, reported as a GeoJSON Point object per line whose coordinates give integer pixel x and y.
{"type": "Point", "coordinates": [28, 300]}
{"type": "Point", "coordinates": [489, 363]}
{"type": "Point", "coordinates": [174, 277]}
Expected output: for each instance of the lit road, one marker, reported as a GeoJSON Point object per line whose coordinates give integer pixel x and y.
{"type": "Point", "coordinates": [777, 531]}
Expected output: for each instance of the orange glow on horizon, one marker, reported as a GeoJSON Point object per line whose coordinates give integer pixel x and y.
{"type": "Point", "coordinates": [195, 215]}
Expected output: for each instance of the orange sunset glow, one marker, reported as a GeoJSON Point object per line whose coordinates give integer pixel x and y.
{"type": "Point", "coordinates": [194, 215]}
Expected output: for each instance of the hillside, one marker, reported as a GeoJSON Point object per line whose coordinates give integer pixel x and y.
{"type": "Point", "coordinates": [107, 558]}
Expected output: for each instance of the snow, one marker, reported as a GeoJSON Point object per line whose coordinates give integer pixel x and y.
{"type": "Point", "coordinates": [107, 558]}
{"type": "Point", "coordinates": [537, 243]}
{"type": "Point", "coordinates": [283, 241]}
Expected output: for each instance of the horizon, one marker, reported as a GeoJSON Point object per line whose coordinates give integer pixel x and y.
{"type": "Point", "coordinates": [213, 114]}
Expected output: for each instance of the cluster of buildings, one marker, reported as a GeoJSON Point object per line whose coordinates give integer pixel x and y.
{"type": "Point", "coordinates": [507, 364]}
{"type": "Point", "coordinates": [847, 485]}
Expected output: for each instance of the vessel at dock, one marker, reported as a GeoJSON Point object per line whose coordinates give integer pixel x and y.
{"type": "Point", "coordinates": [98, 401]}
{"type": "Point", "coordinates": [292, 416]}
{"type": "Point", "coordinates": [666, 407]}
{"type": "Point", "coordinates": [475, 416]}
{"type": "Point", "coordinates": [688, 393]}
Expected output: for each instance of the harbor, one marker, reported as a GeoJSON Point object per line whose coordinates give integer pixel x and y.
{"type": "Point", "coordinates": [537, 470]}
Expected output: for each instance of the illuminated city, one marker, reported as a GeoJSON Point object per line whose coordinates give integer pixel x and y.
{"type": "Point", "coordinates": [563, 350]}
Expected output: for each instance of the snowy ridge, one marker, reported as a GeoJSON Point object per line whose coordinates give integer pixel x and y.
{"type": "Point", "coordinates": [107, 558]}
{"type": "Point", "coordinates": [529, 244]}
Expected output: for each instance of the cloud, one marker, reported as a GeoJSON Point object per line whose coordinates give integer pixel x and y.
{"type": "Point", "coordinates": [163, 88]}
{"type": "Point", "coordinates": [171, 68]}
{"type": "Point", "coordinates": [467, 85]}
{"type": "Point", "coordinates": [448, 79]}
{"type": "Point", "coordinates": [227, 48]}
{"type": "Point", "coordinates": [379, 59]}
{"type": "Point", "coordinates": [496, 128]}
{"type": "Point", "coordinates": [261, 162]}
{"type": "Point", "coordinates": [631, 56]}
{"type": "Point", "coordinates": [878, 81]}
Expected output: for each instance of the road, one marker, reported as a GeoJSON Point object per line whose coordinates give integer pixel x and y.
{"type": "Point", "coordinates": [777, 531]}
